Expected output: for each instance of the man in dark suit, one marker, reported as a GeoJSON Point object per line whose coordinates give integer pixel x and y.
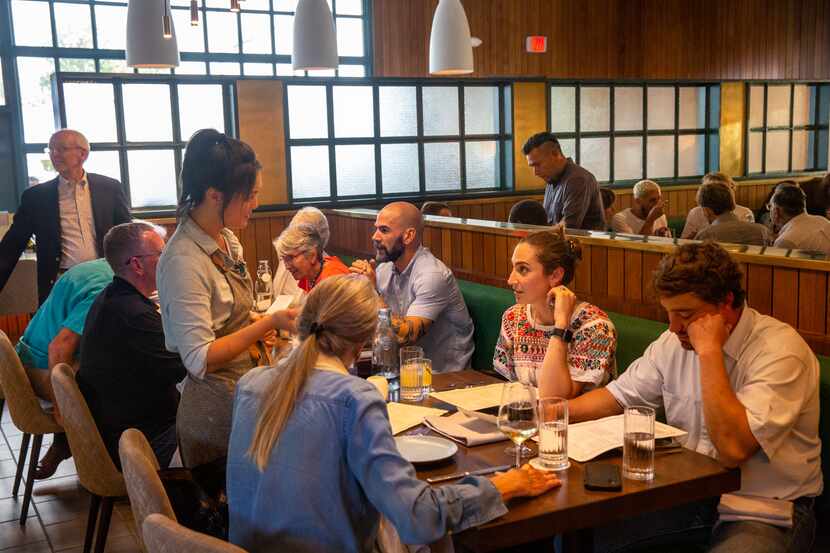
{"type": "Point", "coordinates": [68, 215]}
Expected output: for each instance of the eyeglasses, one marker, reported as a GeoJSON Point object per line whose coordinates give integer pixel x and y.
{"type": "Point", "coordinates": [62, 149]}
{"type": "Point", "coordinates": [141, 255]}
{"type": "Point", "coordinates": [290, 257]}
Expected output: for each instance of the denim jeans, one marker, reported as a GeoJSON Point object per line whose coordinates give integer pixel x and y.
{"type": "Point", "coordinates": [164, 445]}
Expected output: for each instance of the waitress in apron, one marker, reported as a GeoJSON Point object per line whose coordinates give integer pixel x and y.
{"type": "Point", "coordinates": [206, 292]}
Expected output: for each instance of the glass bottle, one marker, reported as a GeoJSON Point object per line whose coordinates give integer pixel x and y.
{"type": "Point", "coordinates": [262, 286]}
{"type": "Point", "coordinates": [385, 350]}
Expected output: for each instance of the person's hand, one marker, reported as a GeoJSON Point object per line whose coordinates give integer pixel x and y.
{"type": "Point", "coordinates": [285, 319]}
{"type": "Point", "coordinates": [564, 302]}
{"type": "Point", "coordinates": [364, 267]}
{"type": "Point", "coordinates": [708, 333]}
{"type": "Point", "coordinates": [657, 211]}
{"type": "Point", "coordinates": [663, 231]}
{"type": "Point", "coordinates": [524, 482]}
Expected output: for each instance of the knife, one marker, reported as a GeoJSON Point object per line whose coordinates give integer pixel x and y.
{"type": "Point", "coordinates": [479, 472]}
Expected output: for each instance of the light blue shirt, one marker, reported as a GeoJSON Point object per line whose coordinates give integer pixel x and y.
{"type": "Point", "coordinates": [333, 471]}
{"type": "Point", "coordinates": [427, 289]}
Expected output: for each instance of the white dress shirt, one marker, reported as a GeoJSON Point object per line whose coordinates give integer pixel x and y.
{"type": "Point", "coordinates": [805, 232]}
{"type": "Point", "coordinates": [77, 223]}
{"type": "Point", "coordinates": [696, 220]}
{"type": "Point", "coordinates": [625, 221]}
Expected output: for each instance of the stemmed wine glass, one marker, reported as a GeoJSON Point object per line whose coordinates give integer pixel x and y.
{"type": "Point", "coordinates": [517, 415]}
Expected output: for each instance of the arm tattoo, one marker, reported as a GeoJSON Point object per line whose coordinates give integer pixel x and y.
{"type": "Point", "coordinates": [409, 329]}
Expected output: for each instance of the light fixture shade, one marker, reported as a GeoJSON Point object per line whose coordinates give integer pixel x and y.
{"type": "Point", "coordinates": [146, 45]}
{"type": "Point", "coordinates": [315, 41]}
{"type": "Point", "coordinates": [450, 49]}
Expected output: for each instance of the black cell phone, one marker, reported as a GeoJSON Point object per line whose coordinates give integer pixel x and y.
{"type": "Point", "coordinates": [603, 477]}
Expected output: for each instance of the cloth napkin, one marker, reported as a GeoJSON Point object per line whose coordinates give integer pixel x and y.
{"type": "Point", "coordinates": [469, 431]}
{"type": "Point", "coordinates": [776, 512]}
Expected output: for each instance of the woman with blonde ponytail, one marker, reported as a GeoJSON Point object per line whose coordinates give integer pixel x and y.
{"type": "Point", "coordinates": [312, 462]}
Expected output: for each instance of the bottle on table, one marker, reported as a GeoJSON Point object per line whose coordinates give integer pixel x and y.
{"type": "Point", "coordinates": [262, 286]}
{"type": "Point", "coordinates": [385, 350]}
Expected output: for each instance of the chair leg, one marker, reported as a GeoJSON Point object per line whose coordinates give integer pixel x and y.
{"type": "Point", "coordinates": [104, 524]}
{"type": "Point", "coordinates": [92, 519]}
{"type": "Point", "coordinates": [21, 460]}
{"type": "Point", "coordinates": [30, 477]}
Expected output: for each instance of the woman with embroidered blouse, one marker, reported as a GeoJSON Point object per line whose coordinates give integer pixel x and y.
{"type": "Point", "coordinates": [549, 331]}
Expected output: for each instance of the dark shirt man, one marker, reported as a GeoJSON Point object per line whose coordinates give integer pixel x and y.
{"type": "Point", "coordinates": [127, 375]}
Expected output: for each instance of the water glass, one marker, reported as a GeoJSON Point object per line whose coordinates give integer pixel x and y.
{"type": "Point", "coordinates": [412, 378]}
{"type": "Point", "coordinates": [517, 415]}
{"type": "Point", "coordinates": [553, 433]}
{"type": "Point", "coordinates": [638, 443]}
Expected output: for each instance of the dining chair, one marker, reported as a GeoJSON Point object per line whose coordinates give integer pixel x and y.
{"type": "Point", "coordinates": [165, 535]}
{"type": "Point", "coordinates": [28, 416]}
{"type": "Point", "coordinates": [96, 471]}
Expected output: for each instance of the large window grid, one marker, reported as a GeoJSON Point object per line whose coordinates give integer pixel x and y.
{"type": "Point", "coordinates": [379, 139]}
{"type": "Point", "coordinates": [786, 128]}
{"type": "Point", "coordinates": [624, 132]}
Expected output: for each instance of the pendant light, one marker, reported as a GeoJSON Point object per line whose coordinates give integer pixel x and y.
{"type": "Point", "coordinates": [148, 21]}
{"type": "Point", "coordinates": [194, 13]}
{"type": "Point", "coordinates": [450, 46]}
{"type": "Point", "coordinates": [315, 40]}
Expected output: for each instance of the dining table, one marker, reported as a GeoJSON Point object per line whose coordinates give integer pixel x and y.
{"type": "Point", "coordinates": [570, 510]}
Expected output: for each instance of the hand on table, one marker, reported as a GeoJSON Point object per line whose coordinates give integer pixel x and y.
{"type": "Point", "coordinates": [524, 482]}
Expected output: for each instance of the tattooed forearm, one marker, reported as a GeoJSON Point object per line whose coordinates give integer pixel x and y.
{"type": "Point", "coordinates": [409, 329]}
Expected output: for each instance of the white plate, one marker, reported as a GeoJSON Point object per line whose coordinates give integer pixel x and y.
{"type": "Point", "coordinates": [425, 449]}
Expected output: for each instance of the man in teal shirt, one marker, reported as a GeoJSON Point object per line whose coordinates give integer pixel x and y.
{"type": "Point", "coordinates": [53, 336]}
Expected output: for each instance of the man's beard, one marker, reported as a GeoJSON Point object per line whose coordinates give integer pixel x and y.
{"type": "Point", "coordinates": [382, 255]}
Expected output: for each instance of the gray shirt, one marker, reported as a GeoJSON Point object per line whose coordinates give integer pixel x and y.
{"type": "Point", "coordinates": [427, 289]}
{"type": "Point", "coordinates": [729, 228]}
{"type": "Point", "coordinates": [575, 199]}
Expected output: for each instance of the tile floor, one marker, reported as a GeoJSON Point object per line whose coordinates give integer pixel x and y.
{"type": "Point", "coordinates": [57, 516]}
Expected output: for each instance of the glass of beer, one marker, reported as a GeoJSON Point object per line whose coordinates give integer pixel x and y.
{"type": "Point", "coordinates": [638, 443]}
{"type": "Point", "coordinates": [412, 378]}
{"type": "Point", "coordinates": [553, 433]}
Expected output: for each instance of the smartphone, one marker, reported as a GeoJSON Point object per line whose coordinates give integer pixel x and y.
{"type": "Point", "coordinates": [603, 477]}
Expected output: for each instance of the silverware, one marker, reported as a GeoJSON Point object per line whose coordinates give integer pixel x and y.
{"type": "Point", "coordinates": [479, 472]}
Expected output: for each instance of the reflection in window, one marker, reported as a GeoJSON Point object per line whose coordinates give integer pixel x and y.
{"type": "Point", "coordinates": [152, 178]}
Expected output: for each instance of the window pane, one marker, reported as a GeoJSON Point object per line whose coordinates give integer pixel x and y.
{"type": "Point", "coordinates": [660, 108]}
{"type": "Point", "coordinates": [778, 106]}
{"type": "Point", "coordinates": [628, 157]}
{"type": "Point", "coordinates": [594, 109]}
{"type": "Point", "coordinates": [398, 111]}
{"type": "Point", "coordinates": [823, 150]}
{"type": "Point", "coordinates": [482, 163]}
{"type": "Point", "coordinates": [256, 33]}
{"type": "Point", "coordinates": [351, 70]}
{"type": "Point", "coordinates": [349, 7]}
{"type": "Point", "coordinates": [40, 168]}
{"type": "Point", "coordinates": [692, 107]}
{"type": "Point", "coordinates": [481, 110]}
{"type": "Point", "coordinates": [355, 166]}
{"type": "Point", "coordinates": [34, 75]}
{"type": "Point", "coordinates": [264, 5]}
{"type": "Point", "coordinates": [754, 152]}
{"type": "Point", "coordinates": [777, 151]}
{"type": "Point", "coordinates": [349, 36]}
{"type": "Point", "coordinates": [104, 163]}
{"type": "Point", "coordinates": [714, 107]}
{"type": "Point", "coordinates": [91, 107]}
{"type": "Point", "coordinates": [562, 109]}
{"type": "Point", "coordinates": [2, 86]}
{"type": "Point", "coordinates": [31, 21]}
{"type": "Point", "coordinates": [594, 156]}
{"type": "Point", "coordinates": [223, 35]}
{"type": "Point", "coordinates": [287, 70]}
{"type": "Point", "coordinates": [804, 105]}
{"type": "Point", "coordinates": [76, 65]}
{"type": "Point", "coordinates": [74, 25]}
{"type": "Point", "coordinates": [353, 111]}
{"type": "Point", "coordinates": [440, 110]}
{"type": "Point", "coordinates": [660, 155]}
{"type": "Point", "coordinates": [284, 34]}
{"type": "Point", "coordinates": [310, 172]}
{"type": "Point", "coordinates": [147, 115]}
{"type": "Point", "coordinates": [152, 178]}
{"type": "Point", "coordinates": [691, 155]}
{"type": "Point", "coordinates": [756, 106]}
{"type": "Point", "coordinates": [824, 104]}
{"type": "Point", "coordinates": [321, 73]}
{"type": "Point", "coordinates": [285, 5]}
{"type": "Point", "coordinates": [191, 68]}
{"type": "Point", "coordinates": [188, 37]}
{"type": "Point", "coordinates": [224, 68]}
{"type": "Point", "coordinates": [200, 107]}
{"type": "Point", "coordinates": [399, 169]}
{"type": "Point", "coordinates": [803, 142]}
{"type": "Point", "coordinates": [154, 71]}
{"type": "Point", "coordinates": [307, 112]}
{"type": "Point", "coordinates": [628, 108]}
{"type": "Point", "coordinates": [258, 69]}
{"type": "Point", "coordinates": [114, 66]}
{"type": "Point", "coordinates": [110, 27]}
{"type": "Point", "coordinates": [568, 146]}
{"type": "Point", "coordinates": [442, 163]}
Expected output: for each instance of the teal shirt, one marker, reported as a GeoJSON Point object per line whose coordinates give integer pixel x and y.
{"type": "Point", "coordinates": [66, 307]}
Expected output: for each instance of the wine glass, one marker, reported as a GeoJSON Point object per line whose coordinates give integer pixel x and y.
{"type": "Point", "coordinates": [526, 373]}
{"type": "Point", "coordinates": [517, 415]}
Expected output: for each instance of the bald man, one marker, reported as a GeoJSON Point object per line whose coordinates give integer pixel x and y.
{"type": "Point", "coordinates": [427, 306]}
{"type": "Point", "coordinates": [68, 215]}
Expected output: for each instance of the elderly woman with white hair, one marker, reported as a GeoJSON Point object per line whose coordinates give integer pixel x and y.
{"type": "Point", "coordinates": [646, 215]}
{"type": "Point", "coordinates": [300, 249]}
{"type": "Point", "coordinates": [284, 283]}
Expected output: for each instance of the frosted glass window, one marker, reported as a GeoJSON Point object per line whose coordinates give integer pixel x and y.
{"type": "Point", "coordinates": [778, 106]}
{"type": "Point", "coordinates": [399, 169]}
{"type": "Point", "coordinates": [660, 156]}
{"type": "Point", "coordinates": [287, 70]}
{"type": "Point", "coordinates": [777, 151]}
{"type": "Point", "coordinates": [152, 178]}
{"type": "Point", "coordinates": [34, 76]}
{"type": "Point", "coordinates": [105, 163]}
{"type": "Point", "coordinates": [754, 152]}
{"type": "Point", "coordinates": [263, 5]}
{"type": "Point", "coordinates": [714, 152]}
{"type": "Point", "coordinates": [714, 108]}
{"type": "Point", "coordinates": [79, 65]}
{"type": "Point", "coordinates": [756, 106]}
{"type": "Point", "coordinates": [823, 149]}
{"type": "Point", "coordinates": [691, 155]}
{"type": "Point", "coordinates": [307, 112]}
{"type": "Point", "coordinates": [802, 150]}
{"type": "Point", "coordinates": [310, 172]}
{"type": "Point", "coordinates": [398, 111]}
{"type": "Point", "coordinates": [628, 108]}
{"type": "Point", "coordinates": [482, 164]}
{"type": "Point", "coordinates": [824, 104]}
{"type": "Point", "coordinates": [31, 21]}
{"type": "Point", "coordinates": [355, 165]}
{"type": "Point", "coordinates": [353, 112]}
{"type": "Point", "coordinates": [74, 25]}
{"type": "Point", "coordinates": [442, 166]}
{"type": "Point", "coordinates": [266, 69]}
{"type": "Point", "coordinates": [2, 86]}
{"type": "Point", "coordinates": [481, 110]}
{"type": "Point", "coordinates": [628, 158]}
{"type": "Point", "coordinates": [147, 113]}
{"type": "Point", "coordinates": [200, 107]}
{"type": "Point", "coordinates": [84, 99]}
{"type": "Point", "coordinates": [594, 108]}
{"type": "Point", "coordinates": [223, 34]}
{"type": "Point", "coordinates": [40, 168]}
{"type": "Point", "coordinates": [349, 36]}
{"type": "Point", "coordinates": [321, 73]}
{"type": "Point", "coordinates": [284, 34]}
{"type": "Point", "coordinates": [256, 33]}
{"type": "Point", "coordinates": [803, 105]}
{"type": "Point", "coordinates": [562, 109]}
{"type": "Point", "coordinates": [692, 107]}
{"type": "Point", "coordinates": [568, 146]}
{"type": "Point", "coordinates": [440, 110]}
{"type": "Point", "coordinates": [660, 108]}
{"type": "Point", "coordinates": [285, 5]}
{"type": "Point", "coordinates": [349, 7]}
{"type": "Point", "coordinates": [594, 156]}
{"type": "Point", "coordinates": [351, 70]}
{"type": "Point", "coordinates": [188, 37]}
{"type": "Point", "coordinates": [110, 27]}
{"type": "Point", "coordinates": [191, 68]}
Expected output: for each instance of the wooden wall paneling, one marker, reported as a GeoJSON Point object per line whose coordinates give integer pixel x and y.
{"type": "Point", "coordinates": [633, 275]}
{"type": "Point", "coordinates": [478, 252]}
{"type": "Point", "coordinates": [785, 295]}
{"type": "Point", "coordinates": [264, 238]}
{"type": "Point", "coordinates": [457, 250]}
{"type": "Point", "coordinates": [446, 247]}
{"type": "Point", "coordinates": [500, 212]}
{"type": "Point", "coordinates": [488, 212]}
{"type": "Point", "coordinates": [616, 273]}
{"type": "Point", "coordinates": [436, 246]}
{"type": "Point", "coordinates": [599, 270]}
{"type": "Point", "coordinates": [503, 256]}
{"type": "Point", "coordinates": [812, 301]}
{"type": "Point", "coordinates": [475, 212]}
{"type": "Point", "coordinates": [582, 275]}
{"type": "Point", "coordinates": [650, 262]}
{"type": "Point", "coordinates": [759, 288]}
{"type": "Point", "coordinates": [488, 254]}
{"type": "Point", "coordinates": [467, 251]}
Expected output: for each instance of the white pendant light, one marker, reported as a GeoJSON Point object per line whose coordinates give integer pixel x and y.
{"type": "Point", "coordinates": [450, 46]}
{"type": "Point", "coordinates": [315, 41]}
{"type": "Point", "coordinates": [146, 26]}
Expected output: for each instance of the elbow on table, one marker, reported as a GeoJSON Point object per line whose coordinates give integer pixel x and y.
{"type": "Point", "coordinates": [735, 455]}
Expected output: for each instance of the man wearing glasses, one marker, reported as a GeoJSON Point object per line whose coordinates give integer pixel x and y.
{"type": "Point", "coordinates": [68, 215]}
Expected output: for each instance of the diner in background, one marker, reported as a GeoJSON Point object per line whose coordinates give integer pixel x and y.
{"type": "Point", "coordinates": [308, 409]}
{"type": "Point", "coordinates": [436, 208]}
{"type": "Point", "coordinates": [745, 388]}
{"type": "Point", "coordinates": [718, 204]}
{"type": "Point", "coordinates": [646, 215]}
{"type": "Point", "coordinates": [696, 220]}
{"type": "Point", "coordinates": [300, 249]}
{"type": "Point", "coordinates": [206, 292]}
{"type": "Point", "coordinates": [608, 198]}
{"type": "Point", "coordinates": [795, 227]}
{"type": "Point", "coordinates": [528, 212]}
{"type": "Point", "coordinates": [427, 307]}
{"type": "Point", "coordinates": [284, 283]}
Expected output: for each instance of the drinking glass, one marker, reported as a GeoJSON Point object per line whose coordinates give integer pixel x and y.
{"type": "Point", "coordinates": [553, 433]}
{"type": "Point", "coordinates": [414, 352]}
{"type": "Point", "coordinates": [517, 414]}
{"type": "Point", "coordinates": [525, 373]}
{"type": "Point", "coordinates": [638, 443]}
{"type": "Point", "coordinates": [412, 378]}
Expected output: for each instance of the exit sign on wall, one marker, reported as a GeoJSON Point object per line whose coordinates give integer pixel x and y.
{"type": "Point", "coordinates": [536, 44]}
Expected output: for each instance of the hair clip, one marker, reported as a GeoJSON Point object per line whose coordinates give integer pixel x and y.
{"type": "Point", "coordinates": [316, 328]}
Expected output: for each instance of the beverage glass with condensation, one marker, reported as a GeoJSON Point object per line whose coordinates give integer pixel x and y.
{"type": "Point", "coordinates": [553, 433]}
{"type": "Point", "coordinates": [638, 443]}
{"type": "Point", "coordinates": [412, 378]}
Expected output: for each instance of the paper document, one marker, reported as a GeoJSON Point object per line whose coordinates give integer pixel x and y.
{"type": "Point", "coordinates": [472, 399]}
{"type": "Point", "coordinates": [280, 302]}
{"type": "Point", "coordinates": [588, 439]}
{"type": "Point", "coordinates": [403, 416]}
{"type": "Point", "coordinates": [470, 431]}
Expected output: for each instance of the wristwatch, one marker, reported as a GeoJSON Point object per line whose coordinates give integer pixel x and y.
{"type": "Point", "coordinates": [564, 334]}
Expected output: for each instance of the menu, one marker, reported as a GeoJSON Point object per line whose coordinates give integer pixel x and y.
{"type": "Point", "coordinates": [472, 399]}
{"type": "Point", "coordinates": [587, 440]}
{"type": "Point", "coordinates": [403, 416]}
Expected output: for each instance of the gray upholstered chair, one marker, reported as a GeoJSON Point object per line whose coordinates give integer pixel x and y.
{"type": "Point", "coordinates": [164, 535]}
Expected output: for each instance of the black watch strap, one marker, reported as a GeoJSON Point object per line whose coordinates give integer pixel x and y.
{"type": "Point", "coordinates": [564, 333]}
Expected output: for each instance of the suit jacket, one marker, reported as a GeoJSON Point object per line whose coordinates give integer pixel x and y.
{"type": "Point", "coordinates": [39, 214]}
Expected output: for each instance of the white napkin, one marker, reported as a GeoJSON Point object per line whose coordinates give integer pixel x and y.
{"type": "Point", "coordinates": [469, 431]}
{"type": "Point", "coordinates": [776, 512]}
